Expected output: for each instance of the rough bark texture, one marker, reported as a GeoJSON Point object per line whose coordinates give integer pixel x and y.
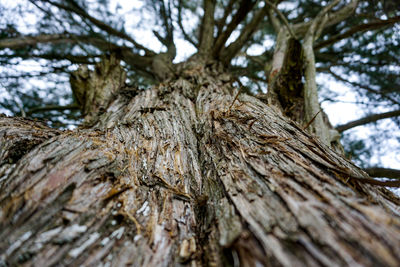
{"type": "Point", "coordinates": [177, 175]}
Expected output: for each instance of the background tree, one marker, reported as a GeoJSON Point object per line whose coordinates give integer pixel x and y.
{"type": "Point", "coordinates": [194, 167]}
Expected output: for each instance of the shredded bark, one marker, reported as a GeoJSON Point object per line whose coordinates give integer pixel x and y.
{"type": "Point", "coordinates": [169, 177]}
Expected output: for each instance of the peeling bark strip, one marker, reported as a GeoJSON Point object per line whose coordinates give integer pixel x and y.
{"type": "Point", "coordinates": [171, 178]}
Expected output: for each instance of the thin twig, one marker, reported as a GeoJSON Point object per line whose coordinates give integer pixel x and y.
{"type": "Point", "coordinates": [236, 97]}
{"type": "Point", "coordinates": [311, 121]}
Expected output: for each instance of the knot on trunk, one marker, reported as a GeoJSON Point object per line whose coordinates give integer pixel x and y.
{"type": "Point", "coordinates": [94, 90]}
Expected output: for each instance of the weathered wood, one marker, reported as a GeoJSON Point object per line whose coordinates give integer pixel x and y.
{"type": "Point", "coordinates": [170, 177]}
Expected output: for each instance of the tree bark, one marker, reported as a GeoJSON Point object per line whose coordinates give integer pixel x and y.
{"type": "Point", "coordinates": [183, 174]}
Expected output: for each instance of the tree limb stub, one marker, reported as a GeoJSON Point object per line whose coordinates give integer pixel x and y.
{"type": "Point", "coordinates": [93, 91]}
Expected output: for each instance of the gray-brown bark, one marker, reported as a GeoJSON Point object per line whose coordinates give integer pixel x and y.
{"type": "Point", "coordinates": [173, 176]}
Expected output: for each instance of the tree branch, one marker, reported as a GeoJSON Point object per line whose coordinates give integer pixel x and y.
{"type": "Point", "coordinates": [227, 11]}
{"type": "Point", "coordinates": [167, 21]}
{"type": "Point", "coordinates": [77, 59]}
{"type": "Point", "coordinates": [207, 27]}
{"type": "Point", "coordinates": [185, 35]}
{"type": "Point", "coordinates": [383, 172]}
{"type": "Point", "coordinates": [311, 104]}
{"type": "Point", "coordinates": [333, 18]}
{"type": "Point", "coordinates": [367, 119]}
{"type": "Point", "coordinates": [316, 22]}
{"type": "Point", "coordinates": [133, 59]}
{"type": "Point", "coordinates": [100, 24]}
{"type": "Point", "coordinates": [168, 40]}
{"type": "Point", "coordinates": [358, 28]}
{"type": "Point", "coordinates": [276, 24]}
{"type": "Point", "coordinates": [22, 41]}
{"type": "Point", "coordinates": [244, 8]}
{"type": "Point", "coordinates": [228, 53]}
{"type": "Point", "coordinates": [283, 18]}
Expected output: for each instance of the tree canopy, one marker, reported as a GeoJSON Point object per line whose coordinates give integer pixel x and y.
{"type": "Point", "coordinates": [354, 43]}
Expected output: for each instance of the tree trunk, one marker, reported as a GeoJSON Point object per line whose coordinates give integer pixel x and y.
{"type": "Point", "coordinates": [186, 174]}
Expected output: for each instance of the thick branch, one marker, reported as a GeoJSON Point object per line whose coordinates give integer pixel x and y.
{"type": "Point", "coordinates": [167, 21]}
{"type": "Point", "coordinates": [244, 8]}
{"type": "Point", "coordinates": [311, 104]}
{"type": "Point", "coordinates": [368, 119]}
{"type": "Point", "coordinates": [276, 24]}
{"type": "Point", "coordinates": [383, 172]}
{"type": "Point", "coordinates": [228, 53]}
{"type": "Point", "coordinates": [358, 28]}
{"type": "Point", "coordinates": [316, 22]}
{"type": "Point", "coordinates": [168, 39]}
{"type": "Point", "coordinates": [207, 27]}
